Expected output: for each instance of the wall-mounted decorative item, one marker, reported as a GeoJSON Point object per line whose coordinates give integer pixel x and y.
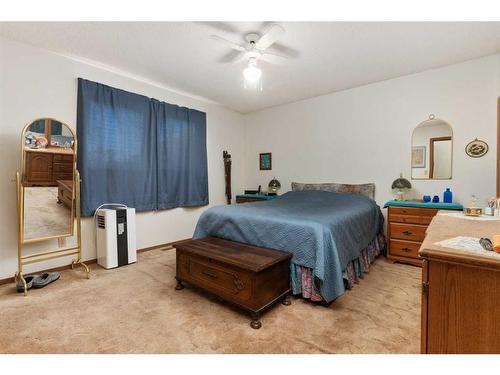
{"type": "Point", "coordinates": [476, 148]}
{"type": "Point", "coordinates": [227, 174]}
{"type": "Point", "coordinates": [418, 157]}
{"type": "Point", "coordinates": [265, 162]}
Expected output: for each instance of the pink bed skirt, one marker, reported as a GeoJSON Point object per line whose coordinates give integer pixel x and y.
{"type": "Point", "coordinates": [303, 279]}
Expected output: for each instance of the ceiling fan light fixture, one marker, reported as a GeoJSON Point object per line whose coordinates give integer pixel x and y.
{"type": "Point", "coordinates": [252, 73]}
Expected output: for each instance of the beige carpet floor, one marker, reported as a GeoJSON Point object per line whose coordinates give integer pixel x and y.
{"type": "Point", "coordinates": [43, 216]}
{"type": "Point", "coordinates": [135, 309]}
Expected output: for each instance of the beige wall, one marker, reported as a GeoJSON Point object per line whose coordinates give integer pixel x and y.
{"type": "Point", "coordinates": [364, 134]}
{"type": "Point", "coordinates": [36, 83]}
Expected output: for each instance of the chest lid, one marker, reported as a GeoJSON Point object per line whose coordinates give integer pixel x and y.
{"type": "Point", "coordinates": [247, 257]}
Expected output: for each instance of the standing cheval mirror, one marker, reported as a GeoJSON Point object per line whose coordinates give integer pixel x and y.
{"type": "Point", "coordinates": [48, 192]}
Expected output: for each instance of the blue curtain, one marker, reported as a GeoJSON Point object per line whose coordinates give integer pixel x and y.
{"type": "Point", "coordinates": [55, 128]}
{"type": "Point", "coordinates": [37, 126]}
{"type": "Point", "coordinates": [182, 156]}
{"type": "Point", "coordinates": [138, 151]}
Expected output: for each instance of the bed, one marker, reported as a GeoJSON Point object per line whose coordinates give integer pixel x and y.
{"type": "Point", "coordinates": [334, 232]}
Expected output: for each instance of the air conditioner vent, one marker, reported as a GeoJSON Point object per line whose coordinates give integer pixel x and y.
{"type": "Point", "coordinates": [101, 222]}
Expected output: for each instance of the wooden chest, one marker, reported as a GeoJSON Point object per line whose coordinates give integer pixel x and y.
{"type": "Point", "coordinates": [65, 192]}
{"type": "Point", "coordinates": [405, 232]}
{"type": "Point", "coordinates": [250, 277]}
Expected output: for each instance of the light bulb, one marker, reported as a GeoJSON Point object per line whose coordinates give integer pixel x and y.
{"type": "Point", "coordinates": [252, 73]}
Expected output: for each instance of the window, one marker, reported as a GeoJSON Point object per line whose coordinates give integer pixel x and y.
{"type": "Point", "coordinates": [139, 151]}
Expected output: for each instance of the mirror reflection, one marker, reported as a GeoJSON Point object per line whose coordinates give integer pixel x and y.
{"type": "Point", "coordinates": [432, 150]}
{"type": "Point", "coordinates": [48, 167]}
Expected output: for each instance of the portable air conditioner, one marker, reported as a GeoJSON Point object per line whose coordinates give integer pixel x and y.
{"type": "Point", "coordinates": [116, 241]}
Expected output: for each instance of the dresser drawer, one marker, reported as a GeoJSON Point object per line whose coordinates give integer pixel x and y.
{"type": "Point", "coordinates": [404, 211]}
{"type": "Point", "coordinates": [407, 231]}
{"type": "Point", "coordinates": [425, 220]}
{"type": "Point", "coordinates": [404, 248]}
{"type": "Point", "coordinates": [63, 158]}
{"type": "Point", "coordinates": [411, 219]}
{"type": "Point", "coordinates": [63, 167]}
{"type": "Point", "coordinates": [415, 211]}
{"type": "Point", "coordinates": [62, 176]}
{"type": "Point", "coordinates": [215, 277]}
{"type": "Point", "coordinates": [408, 219]}
{"type": "Point", "coordinates": [428, 212]}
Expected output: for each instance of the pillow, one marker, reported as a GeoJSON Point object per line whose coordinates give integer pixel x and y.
{"type": "Point", "coordinates": [367, 190]}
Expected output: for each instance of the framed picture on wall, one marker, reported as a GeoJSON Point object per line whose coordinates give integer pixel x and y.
{"type": "Point", "coordinates": [418, 157]}
{"type": "Point", "coordinates": [265, 162]}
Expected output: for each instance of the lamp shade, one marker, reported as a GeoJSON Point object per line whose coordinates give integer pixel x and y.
{"type": "Point", "coordinates": [274, 185]}
{"type": "Point", "coordinates": [401, 183]}
{"type": "Point", "coordinates": [252, 73]}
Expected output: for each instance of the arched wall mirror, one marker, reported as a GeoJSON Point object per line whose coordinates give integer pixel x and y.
{"type": "Point", "coordinates": [432, 150]}
{"type": "Point", "coordinates": [47, 176]}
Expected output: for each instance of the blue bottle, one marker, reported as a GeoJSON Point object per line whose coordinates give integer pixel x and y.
{"type": "Point", "coordinates": [435, 199]}
{"type": "Point", "coordinates": [447, 196]}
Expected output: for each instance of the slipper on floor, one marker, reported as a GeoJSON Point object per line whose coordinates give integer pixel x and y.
{"type": "Point", "coordinates": [45, 279]}
{"type": "Point", "coordinates": [29, 282]}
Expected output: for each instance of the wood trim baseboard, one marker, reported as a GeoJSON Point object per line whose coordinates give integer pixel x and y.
{"type": "Point", "coordinates": [165, 246]}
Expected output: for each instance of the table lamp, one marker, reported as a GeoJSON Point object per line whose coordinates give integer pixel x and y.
{"type": "Point", "coordinates": [401, 184]}
{"type": "Point", "coordinates": [274, 185]}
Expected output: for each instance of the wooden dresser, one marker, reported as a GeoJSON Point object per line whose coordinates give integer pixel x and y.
{"type": "Point", "coordinates": [250, 277]}
{"type": "Point", "coordinates": [460, 290]}
{"type": "Point", "coordinates": [407, 223]}
{"type": "Point", "coordinates": [245, 198]}
{"type": "Point", "coordinates": [44, 167]}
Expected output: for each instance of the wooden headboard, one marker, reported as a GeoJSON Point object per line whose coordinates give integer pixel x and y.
{"type": "Point", "coordinates": [367, 190]}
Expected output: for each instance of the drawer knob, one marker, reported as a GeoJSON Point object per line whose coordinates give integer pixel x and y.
{"type": "Point", "coordinates": [407, 232]}
{"type": "Point", "coordinates": [209, 273]}
{"type": "Point", "coordinates": [405, 249]}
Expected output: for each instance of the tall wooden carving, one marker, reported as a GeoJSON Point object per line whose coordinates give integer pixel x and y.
{"type": "Point", "coordinates": [227, 174]}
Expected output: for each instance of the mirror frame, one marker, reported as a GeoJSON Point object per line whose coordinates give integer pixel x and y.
{"type": "Point", "coordinates": [432, 118]}
{"type": "Point", "coordinates": [22, 173]}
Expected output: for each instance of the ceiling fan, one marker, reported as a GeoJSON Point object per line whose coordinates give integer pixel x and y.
{"type": "Point", "coordinates": [255, 50]}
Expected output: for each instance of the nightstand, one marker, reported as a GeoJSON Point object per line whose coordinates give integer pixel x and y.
{"type": "Point", "coordinates": [407, 222]}
{"type": "Point", "coordinates": [245, 198]}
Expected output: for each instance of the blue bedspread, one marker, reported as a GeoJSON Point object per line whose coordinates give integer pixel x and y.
{"type": "Point", "coordinates": [324, 231]}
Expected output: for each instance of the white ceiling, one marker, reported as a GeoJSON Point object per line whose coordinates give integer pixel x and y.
{"type": "Point", "coordinates": [328, 56]}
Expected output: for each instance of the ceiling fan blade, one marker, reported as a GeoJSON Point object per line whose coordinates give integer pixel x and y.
{"type": "Point", "coordinates": [228, 42]}
{"type": "Point", "coordinates": [273, 58]}
{"type": "Point", "coordinates": [232, 56]}
{"type": "Point", "coordinates": [270, 36]}
{"type": "Point", "coordinates": [285, 50]}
